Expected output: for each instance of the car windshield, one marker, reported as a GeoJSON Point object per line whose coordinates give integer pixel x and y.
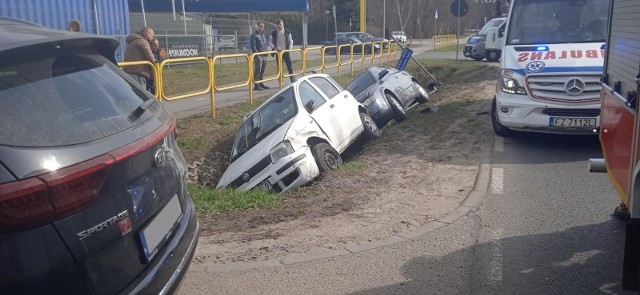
{"type": "Point", "coordinates": [227, 38]}
{"type": "Point", "coordinates": [64, 97]}
{"type": "Point", "coordinates": [264, 121]}
{"type": "Point", "coordinates": [557, 21]}
{"type": "Point", "coordinates": [494, 23]}
{"type": "Point", "coordinates": [360, 83]}
{"type": "Point", "coordinates": [397, 33]}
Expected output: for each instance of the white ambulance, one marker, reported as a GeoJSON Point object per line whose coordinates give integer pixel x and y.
{"type": "Point", "coordinates": [551, 65]}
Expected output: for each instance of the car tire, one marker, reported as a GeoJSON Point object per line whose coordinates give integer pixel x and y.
{"type": "Point", "coordinates": [367, 50]}
{"type": "Point", "coordinates": [498, 128]}
{"type": "Point", "coordinates": [423, 96]}
{"type": "Point", "coordinates": [371, 129]}
{"type": "Point", "coordinates": [492, 55]}
{"type": "Point", "coordinates": [326, 157]}
{"type": "Point", "coordinates": [399, 114]}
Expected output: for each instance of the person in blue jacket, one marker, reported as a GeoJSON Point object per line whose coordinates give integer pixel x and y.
{"type": "Point", "coordinates": [258, 43]}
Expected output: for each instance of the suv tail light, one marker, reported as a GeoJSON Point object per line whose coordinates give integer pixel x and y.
{"type": "Point", "coordinates": [51, 196]}
{"type": "Point", "coordinates": [48, 197]}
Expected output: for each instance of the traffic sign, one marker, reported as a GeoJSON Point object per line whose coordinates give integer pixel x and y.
{"type": "Point", "coordinates": [404, 58]}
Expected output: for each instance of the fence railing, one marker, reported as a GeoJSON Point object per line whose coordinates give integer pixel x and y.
{"type": "Point", "coordinates": [443, 40]}
{"type": "Point", "coordinates": [212, 87]}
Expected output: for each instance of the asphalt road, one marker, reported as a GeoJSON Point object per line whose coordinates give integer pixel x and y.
{"type": "Point", "coordinates": [542, 226]}
{"type": "Point", "coordinates": [202, 103]}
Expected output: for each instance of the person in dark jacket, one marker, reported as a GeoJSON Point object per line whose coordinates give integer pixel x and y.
{"type": "Point", "coordinates": [139, 49]}
{"type": "Point", "coordinates": [280, 39]}
{"type": "Point", "coordinates": [258, 43]}
{"type": "Point", "coordinates": [155, 48]}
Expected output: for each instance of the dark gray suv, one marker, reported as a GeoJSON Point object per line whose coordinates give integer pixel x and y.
{"type": "Point", "coordinates": [93, 197]}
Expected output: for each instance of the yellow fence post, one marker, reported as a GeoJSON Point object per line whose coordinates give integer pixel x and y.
{"type": "Point", "coordinates": [249, 59]}
{"type": "Point", "coordinates": [153, 67]}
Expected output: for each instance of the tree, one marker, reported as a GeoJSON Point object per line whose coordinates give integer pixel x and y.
{"type": "Point", "coordinates": [401, 11]}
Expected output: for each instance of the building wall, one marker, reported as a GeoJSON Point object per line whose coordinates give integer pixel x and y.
{"type": "Point", "coordinates": [104, 17]}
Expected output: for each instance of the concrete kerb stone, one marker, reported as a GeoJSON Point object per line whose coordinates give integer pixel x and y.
{"type": "Point", "coordinates": [376, 244]}
{"type": "Point", "coordinates": [473, 198]}
{"type": "Point", "coordinates": [293, 259]}
{"type": "Point", "coordinates": [244, 266]}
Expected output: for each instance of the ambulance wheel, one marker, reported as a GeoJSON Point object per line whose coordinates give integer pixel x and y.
{"type": "Point", "coordinates": [498, 128]}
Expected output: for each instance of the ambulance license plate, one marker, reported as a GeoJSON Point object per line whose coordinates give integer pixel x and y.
{"type": "Point", "coordinates": [572, 122]}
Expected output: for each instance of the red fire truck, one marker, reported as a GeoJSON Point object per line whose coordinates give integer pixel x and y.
{"type": "Point", "coordinates": [620, 124]}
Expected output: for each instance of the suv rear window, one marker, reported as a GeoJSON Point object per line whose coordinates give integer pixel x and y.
{"type": "Point", "coordinates": [64, 98]}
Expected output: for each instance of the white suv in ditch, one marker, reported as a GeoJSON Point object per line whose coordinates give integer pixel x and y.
{"type": "Point", "coordinates": [296, 135]}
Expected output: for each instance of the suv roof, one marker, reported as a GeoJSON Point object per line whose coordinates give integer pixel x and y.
{"type": "Point", "coordinates": [16, 33]}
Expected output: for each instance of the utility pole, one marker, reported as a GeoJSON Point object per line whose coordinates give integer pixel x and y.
{"type": "Point", "coordinates": [435, 23]}
{"type": "Point", "coordinates": [326, 22]}
{"type": "Point", "coordinates": [363, 18]}
{"type": "Point", "coordinates": [384, 15]}
{"type": "Point", "coordinates": [335, 22]}
{"type": "Point", "coordinates": [458, 32]}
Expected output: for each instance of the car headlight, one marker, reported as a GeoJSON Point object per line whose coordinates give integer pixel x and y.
{"type": "Point", "coordinates": [368, 101]}
{"type": "Point", "coordinates": [281, 150]}
{"type": "Point", "coordinates": [511, 82]}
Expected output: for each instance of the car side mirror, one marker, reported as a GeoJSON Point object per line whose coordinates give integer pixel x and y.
{"type": "Point", "coordinates": [383, 73]}
{"type": "Point", "coordinates": [310, 106]}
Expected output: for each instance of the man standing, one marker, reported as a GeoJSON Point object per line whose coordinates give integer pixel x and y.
{"type": "Point", "coordinates": [258, 43]}
{"type": "Point", "coordinates": [139, 49]}
{"type": "Point", "coordinates": [280, 39]}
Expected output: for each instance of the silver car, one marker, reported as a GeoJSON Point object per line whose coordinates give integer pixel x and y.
{"type": "Point", "coordinates": [387, 93]}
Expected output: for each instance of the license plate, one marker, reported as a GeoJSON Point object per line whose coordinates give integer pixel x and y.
{"type": "Point", "coordinates": [265, 185]}
{"type": "Point", "coordinates": [160, 228]}
{"type": "Point", "coordinates": [572, 122]}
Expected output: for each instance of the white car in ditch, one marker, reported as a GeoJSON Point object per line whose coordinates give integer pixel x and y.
{"type": "Point", "coordinates": [296, 135]}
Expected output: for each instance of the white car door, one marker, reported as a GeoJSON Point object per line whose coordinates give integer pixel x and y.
{"type": "Point", "coordinates": [337, 114]}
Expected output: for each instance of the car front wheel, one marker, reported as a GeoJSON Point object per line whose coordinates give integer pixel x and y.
{"type": "Point", "coordinates": [423, 96]}
{"type": "Point", "coordinates": [371, 130]}
{"type": "Point", "coordinates": [399, 114]}
{"type": "Point", "coordinates": [326, 157]}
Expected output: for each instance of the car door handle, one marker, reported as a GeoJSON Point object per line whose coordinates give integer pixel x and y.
{"type": "Point", "coordinates": [331, 106]}
{"type": "Point", "coordinates": [346, 96]}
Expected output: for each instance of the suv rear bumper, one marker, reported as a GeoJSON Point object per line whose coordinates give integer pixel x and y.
{"type": "Point", "coordinates": [170, 265]}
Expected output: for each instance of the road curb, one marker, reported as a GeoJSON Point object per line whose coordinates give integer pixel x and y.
{"type": "Point", "coordinates": [472, 199]}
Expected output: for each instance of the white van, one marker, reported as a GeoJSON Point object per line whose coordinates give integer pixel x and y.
{"type": "Point", "coordinates": [475, 47]}
{"type": "Point", "coordinates": [551, 65]}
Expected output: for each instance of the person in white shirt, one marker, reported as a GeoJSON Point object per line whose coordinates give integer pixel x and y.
{"type": "Point", "coordinates": [280, 39]}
